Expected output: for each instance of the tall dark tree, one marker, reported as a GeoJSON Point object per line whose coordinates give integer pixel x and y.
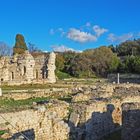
{"type": "Point", "coordinates": [20, 45]}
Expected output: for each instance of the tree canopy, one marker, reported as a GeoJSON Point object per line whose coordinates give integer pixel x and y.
{"type": "Point", "coordinates": [20, 45]}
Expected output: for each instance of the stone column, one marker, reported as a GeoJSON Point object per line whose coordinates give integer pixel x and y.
{"type": "Point", "coordinates": [0, 92]}
{"type": "Point", "coordinates": [51, 68]}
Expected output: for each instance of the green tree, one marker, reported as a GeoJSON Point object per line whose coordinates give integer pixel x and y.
{"type": "Point", "coordinates": [80, 64]}
{"type": "Point", "coordinates": [132, 64]}
{"type": "Point", "coordinates": [60, 62]}
{"type": "Point", "coordinates": [104, 61]}
{"type": "Point", "coordinates": [20, 45]}
{"type": "Point", "coordinates": [128, 48]}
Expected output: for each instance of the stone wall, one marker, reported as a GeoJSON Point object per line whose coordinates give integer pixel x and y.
{"type": "Point", "coordinates": [95, 111]}
{"type": "Point", "coordinates": [26, 94]}
{"type": "Point", "coordinates": [131, 121]}
{"type": "Point", "coordinates": [93, 120]}
{"type": "Point", "coordinates": [41, 122]}
{"type": "Point", "coordinates": [26, 68]}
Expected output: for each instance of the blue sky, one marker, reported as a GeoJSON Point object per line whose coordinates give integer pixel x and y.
{"type": "Point", "coordinates": [74, 24]}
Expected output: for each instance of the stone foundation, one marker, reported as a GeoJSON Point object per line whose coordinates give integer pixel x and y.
{"type": "Point", "coordinates": [131, 121]}
{"type": "Point", "coordinates": [95, 111]}
{"type": "Point", "coordinates": [46, 124]}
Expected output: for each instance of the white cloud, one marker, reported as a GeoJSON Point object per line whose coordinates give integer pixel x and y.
{"type": "Point", "coordinates": [83, 34]}
{"type": "Point", "coordinates": [80, 36]}
{"type": "Point", "coordinates": [114, 38]}
{"type": "Point", "coordinates": [63, 48]}
{"type": "Point", "coordinates": [52, 32]}
{"type": "Point", "coordinates": [98, 30]}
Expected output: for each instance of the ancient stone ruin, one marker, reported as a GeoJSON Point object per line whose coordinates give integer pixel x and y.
{"type": "Point", "coordinates": [131, 121]}
{"type": "Point", "coordinates": [94, 112]}
{"type": "Point", "coordinates": [27, 68]}
{"type": "Point", "coordinates": [51, 68]}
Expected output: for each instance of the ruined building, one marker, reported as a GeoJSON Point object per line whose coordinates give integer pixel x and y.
{"type": "Point", "coordinates": [27, 68]}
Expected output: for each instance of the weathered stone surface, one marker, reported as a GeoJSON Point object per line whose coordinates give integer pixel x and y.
{"type": "Point", "coordinates": [45, 124]}
{"type": "Point", "coordinates": [0, 92]}
{"type": "Point", "coordinates": [90, 116]}
{"type": "Point", "coordinates": [51, 68]}
{"type": "Point", "coordinates": [131, 121]}
{"type": "Point", "coordinates": [24, 69]}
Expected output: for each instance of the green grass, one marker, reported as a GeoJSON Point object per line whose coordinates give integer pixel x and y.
{"type": "Point", "coordinates": [2, 132]}
{"type": "Point", "coordinates": [9, 105]}
{"type": "Point", "coordinates": [62, 75]}
{"type": "Point", "coordinates": [60, 84]}
{"type": "Point", "coordinates": [33, 86]}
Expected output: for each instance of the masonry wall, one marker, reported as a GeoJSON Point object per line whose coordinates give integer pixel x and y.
{"type": "Point", "coordinates": [40, 123]}
{"type": "Point", "coordinates": [131, 121]}
{"type": "Point", "coordinates": [94, 120]}
{"type": "Point", "coordinates": [26, 68]}
{"type": "Point", "coordinates": [88, 117]}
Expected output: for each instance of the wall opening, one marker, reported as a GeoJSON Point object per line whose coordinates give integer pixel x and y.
{"type": "Point", "coordinates": [24, 70]}
{"type": "Point", "coordinates": [43, 74]}
{"type": "Point", "coordinates": [36, 74]}
{"type": "Point", "coordinates": [12, 75]}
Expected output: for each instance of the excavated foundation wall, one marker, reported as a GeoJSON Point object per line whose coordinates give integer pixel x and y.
{"type": "Point", "coordinates": [40, 123]}
{"type": "Point", "coordinates": [91, 115]}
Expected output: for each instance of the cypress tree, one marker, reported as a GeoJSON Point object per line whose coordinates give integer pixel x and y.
{"type": "Point", "coordinates": [20, 45]}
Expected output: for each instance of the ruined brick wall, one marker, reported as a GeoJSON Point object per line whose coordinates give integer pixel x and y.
{"type": "Point", "coordinates": [131, 121]}
{"type": "Point", "coordinates": [24, 69]}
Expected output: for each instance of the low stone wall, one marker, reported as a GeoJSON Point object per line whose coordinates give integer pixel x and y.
{"type": "Point", "coordinates": [45, 124]}
{"type": "Point", "coordinates": [95, 111]}
{"type": "Point", "coordinates": [26, 94]}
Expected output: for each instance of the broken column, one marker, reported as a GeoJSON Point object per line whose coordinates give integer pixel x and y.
{"type": "Point", "coordinates": [0, 92]}
{"type": "Point", "coordinates": [51, 68]}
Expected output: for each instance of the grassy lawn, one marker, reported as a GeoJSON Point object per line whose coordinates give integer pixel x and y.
{"type": "Point", "coordinates": [33, 86]}
{"type": "Point", "coordinates": [67, 83]}
{"type": "Point", "coordinates": [9, 105]}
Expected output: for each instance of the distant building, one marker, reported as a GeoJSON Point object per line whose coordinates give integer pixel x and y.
{"type": "Point", "coordinates": [28, 68]}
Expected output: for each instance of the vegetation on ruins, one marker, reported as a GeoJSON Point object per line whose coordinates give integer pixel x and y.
{"type": "Point", "coordinates": [8, 105]}
{"type": "Point", "coordinates": [20, 45]}
{"type": "Point", "coordinates": [90, 63]}
{"type": "Point", "coordinates": [123, 58]}
{"type": "Point", "coordinates": [97, 62]}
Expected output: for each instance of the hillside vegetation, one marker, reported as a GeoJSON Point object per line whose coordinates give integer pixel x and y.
{"type": "Point", "coordinates": [123, 58]}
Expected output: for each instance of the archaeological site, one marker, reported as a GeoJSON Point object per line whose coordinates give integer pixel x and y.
{"type": "Point", "coordinates": [69, 70]}
{"type": "Point", "coordinates": [36, 105]}
{"type": "Point", "coordinates": [26, 69]}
